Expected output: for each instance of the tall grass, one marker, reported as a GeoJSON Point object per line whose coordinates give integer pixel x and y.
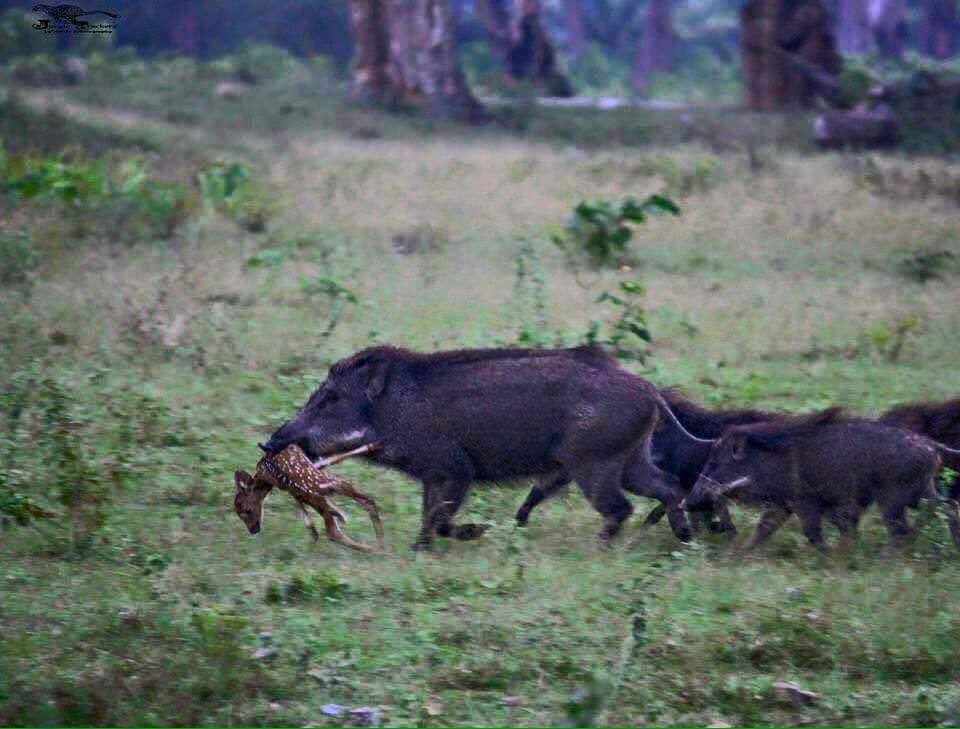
{"type": "Point", "coordinates": [174, 356]}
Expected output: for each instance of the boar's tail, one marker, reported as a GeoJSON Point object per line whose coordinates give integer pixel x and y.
{"type": "Point", "coordinates": [673, 418]}
{"type": "Point", "coordinates": [945, 448]}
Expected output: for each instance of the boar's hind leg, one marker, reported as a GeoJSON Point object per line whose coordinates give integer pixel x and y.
{"type": "Point", "coordinates": [893, 509]}
{"type": "Point", "coordinates": [546, 487]}
{"type": "Point", "coordinates": [600, 484]}
{"type": "Point", "coordinates": [645, 479]}
{"type": "Point", "coordinates": [771, 520]}
{"type": "Point", "coordinates": [953, 517]}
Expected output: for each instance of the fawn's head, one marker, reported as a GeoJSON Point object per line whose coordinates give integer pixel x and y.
{"type": "Point", "coordinates": [248, 501]}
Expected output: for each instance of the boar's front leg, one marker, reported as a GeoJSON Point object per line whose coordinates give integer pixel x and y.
{"type": "Point", "coordinates": [724, 523]}
{"type": "Point", "coordinates": [810, 515]}
{"type": "Point", "coordinates": [441, 499]}
{"type": "Point", "coordinates": [771, 520]}
{"type": "Point", "coordinates": [846, 519]}
{"type": "Point", "coordinates": [546, 487]}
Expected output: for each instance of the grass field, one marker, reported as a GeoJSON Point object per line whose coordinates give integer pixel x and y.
{"type": "Point", "coordinates": [139, 371]}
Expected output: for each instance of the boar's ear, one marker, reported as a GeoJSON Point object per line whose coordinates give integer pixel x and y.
{"type": "Point", "coordinates": [376, 378]}
{"type": "Point", "coordinates": [738, 446]}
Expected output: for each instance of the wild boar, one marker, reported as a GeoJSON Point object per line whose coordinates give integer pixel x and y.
{"type": "Point", "coordinates": [452, 418]}
{"type": "Point", "coordinates": [821, 465]}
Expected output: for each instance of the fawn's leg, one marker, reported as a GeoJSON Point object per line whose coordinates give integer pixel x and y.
{"type": "Point", "coordinates": [307, 521]}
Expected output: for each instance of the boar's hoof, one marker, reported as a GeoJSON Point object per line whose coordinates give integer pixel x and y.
{"type": "Point", "coordinates": [422, 545]}
{"type": "Point", "coordinates": [466, 532]}
{"type": "Point", "coordinates": [522, 518]}
{"type": "Point", "coordinates": [718, 527]}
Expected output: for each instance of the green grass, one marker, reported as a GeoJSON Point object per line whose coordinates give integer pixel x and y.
{"type": "Point", "coordinates": [773, 287]}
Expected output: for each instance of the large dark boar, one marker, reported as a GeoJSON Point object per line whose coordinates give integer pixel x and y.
{"type": "Point", "coordinates": [939, 422]}
{"type": "Point", "coordinates": [676, 452]}
{"type": "Point", "coordinates": [821, 465]}
{"type": "Point", "coordinates": [452, 418]}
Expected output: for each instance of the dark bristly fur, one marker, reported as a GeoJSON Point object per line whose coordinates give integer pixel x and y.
{"type": "Point", "coordinates": [939, 421]}
{"type": "Point", "coordinates": [821, 465]}
{"type": "Point", "coordinates": [676, 454]}
{"type": "Point", "coordinates": [452, 418]}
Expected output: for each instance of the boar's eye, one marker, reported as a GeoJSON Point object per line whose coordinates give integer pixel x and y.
{"type": "Point", "coordinates": [328, 399]}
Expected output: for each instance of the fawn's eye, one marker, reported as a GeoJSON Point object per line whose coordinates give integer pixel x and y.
{"type": "Point", "coordinates": [247, 512]}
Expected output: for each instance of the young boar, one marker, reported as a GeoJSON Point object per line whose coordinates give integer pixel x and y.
{"type": "Point", "coordinates": [821, 465]}
{"type": "Point", "coordinates": [939, 421]}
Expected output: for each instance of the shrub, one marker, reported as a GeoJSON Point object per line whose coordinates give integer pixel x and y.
{"type": "Point", "coordinates": [17, 258]}
{"type": "Point", "coordinates": [598, 233]}
{"type": "Point", "coordinates": [39, 420]}
{"type": "Point", "coordinates": [227, 187]}
{"type": "Point", "coordinates": [925, 264]}
{"type": "Point", "coordinates": [18, 37]}
{"type": "Point", "coordinates": [627, 332]}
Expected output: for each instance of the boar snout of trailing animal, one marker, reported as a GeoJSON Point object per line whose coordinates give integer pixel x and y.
{"type": "Point", "coordinates": [337, 417]}
{"type": "Point", "coordinates": [724, 475]}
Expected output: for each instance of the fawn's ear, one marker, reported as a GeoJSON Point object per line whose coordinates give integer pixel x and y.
{"type": "Point", "coordinates": [243, 480]}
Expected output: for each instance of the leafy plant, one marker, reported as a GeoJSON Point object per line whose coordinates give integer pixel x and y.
{"type": "Point", "coordinates": [889, 339]}
{"type": "Point", "coordinates": [925, 264]}
{"type": "Point", "coordinates": [54, 178]}
{"type": "Point", "coordinates": [627, 333]}
{"type": "Point", "coordinates": [337, 294]}
{"type": "Point", "coordinates": [529, 299]}
{"type": "Point", "coordinates": [598, 233]}
{"type": "Point", "coordinates": [228, 189]}
{"type": "Point", "coordinates": [17, 258]}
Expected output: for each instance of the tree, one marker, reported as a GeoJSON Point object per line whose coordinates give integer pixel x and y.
{"type": "Point", "coordinates": [939, 28]}
{"type": "Point", "coordinates": [406, 53]}
{"type": "Point", "coordinates": [853, 27]}
{"type": "Point", "coordinates": [772, 32]}
{"type": "Point", "coordinates": [888, 24]}
{"type": "Point", "coordinates": [573, 14]}
{"type": "Point", "coordinates": [523, 46]}
{"type": "Point", "coordinates": [655, 49]}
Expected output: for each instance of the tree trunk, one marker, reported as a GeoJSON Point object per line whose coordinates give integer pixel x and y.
{"type": "Point", "coordinates": [371, 56]}
{"type": "Point", "coordinates": [495, 15]}
{"type": "Point", "coordinates": [853, 32]}
{"type": "Point", "coordinates": [656, 44]}
{"type": "Point", "coordinates": [939, 27]}
{"type": "Point", "coordinates": [573, 11]}
{"type": "Point", "coordinates": [184, 29]}
{"type": "Point", "coordinates": [525, 48]}
{"type": "Point", "coordinates": [888, 23]}
{"type": "Point", "coordinates": [406, 53]}
{"type": "Point", "coordinates": [768, 28]}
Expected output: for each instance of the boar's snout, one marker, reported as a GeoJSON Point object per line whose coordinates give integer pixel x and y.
{"type": "Point", "coordinates": [255, 528]}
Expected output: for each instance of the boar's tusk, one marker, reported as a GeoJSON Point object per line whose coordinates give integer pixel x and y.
{"type": "Point", "coordinates": [742, 481]}
{"type": "Point", "coordinates": [337, 457]}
